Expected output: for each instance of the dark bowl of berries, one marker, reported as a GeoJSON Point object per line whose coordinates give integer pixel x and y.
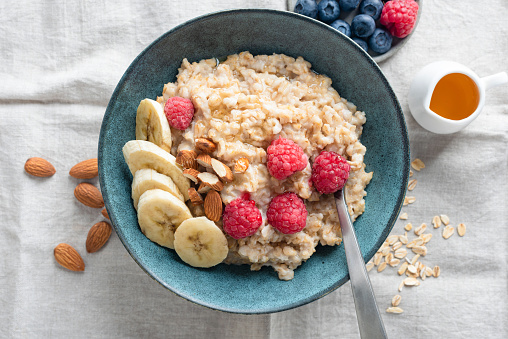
{"type": "Point", "coordinates": [379, 27]}
{"type": "Point", "coordinates": [223, 144]}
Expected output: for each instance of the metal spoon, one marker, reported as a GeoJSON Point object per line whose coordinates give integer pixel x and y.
{"type": "Point", "coordinates": [367, 312]}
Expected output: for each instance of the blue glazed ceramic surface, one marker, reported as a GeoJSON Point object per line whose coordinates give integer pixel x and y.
{"type": "Point", "coordinates": [355, 76]}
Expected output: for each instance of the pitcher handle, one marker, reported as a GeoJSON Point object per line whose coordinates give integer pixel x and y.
{"type": "Point", "coordinates": [495, 80]}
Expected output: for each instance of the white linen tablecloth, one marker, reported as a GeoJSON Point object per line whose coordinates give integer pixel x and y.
{"type": "Point", "coordinates": [59, 64]}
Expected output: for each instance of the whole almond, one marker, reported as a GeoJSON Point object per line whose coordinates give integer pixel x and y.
{"type": "Point", "coordinates": [97, 236]}
{"type": "Point", "coordinates": [105, 213]}
{"type": "Point", "coordinates": [222, 170]}
{"type": "Point", "coordinates": [187, 159]}
{"type": "Point", "coordinates": [204, 160]}
{"type": "Point", "coordinates": [213, 206]}
{"type": "Point", "coordinates": [68, 257]}
{"type": "Point", "coordinates": [241, 165]}
{"type": "Point", "coordinates": [39, 167]}
{"type": "Point", "coordinates": [195, 197]}
{"type": "Point", "coordinates": [87, 169]}
{"type": "Point", "coordinates": [205, 145]}
{"type": "Point", "coordinates": [89, 195]}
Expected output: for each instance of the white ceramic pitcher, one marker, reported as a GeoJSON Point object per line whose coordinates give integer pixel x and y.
{"type": "Point", "coordinates": [422, 87]}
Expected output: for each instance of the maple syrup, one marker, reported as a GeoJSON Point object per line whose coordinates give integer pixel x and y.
{"type": "Point", "coordinates": [455, 97]}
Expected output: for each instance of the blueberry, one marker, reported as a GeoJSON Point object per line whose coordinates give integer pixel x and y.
{"type": "Point", "coordinates": [372, 8]}
{"type": "Point", "coordinates": [363, 25]}
{"type": "Point", "coordinates": [348, 5]}
{"type": "Point", "coordinates": [307, 7]}
{"type": "Point", "coordinates": [342, 27]}
{"type": "Point", "coordinates": [361, 43]}
{"type": "Point", "coordinates": [380, 41]}
{"type": "Point", "coordinates": [328, 10]}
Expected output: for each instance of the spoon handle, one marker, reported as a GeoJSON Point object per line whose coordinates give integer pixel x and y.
{"type": "Point", "coordinates": [367, 312]}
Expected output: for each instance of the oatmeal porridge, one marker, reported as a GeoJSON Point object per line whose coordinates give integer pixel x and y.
{"type": "Point", "coordinates": [242, 105]}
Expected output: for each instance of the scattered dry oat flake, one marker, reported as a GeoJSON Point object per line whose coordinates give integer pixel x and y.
{"type": "Point", "coordinates": [408, 227]}
{"type": "Point", "coordinates": [412, 184]}
{"type": "Point", "coordinates": [389, 257]}
{"type": "Point", "coordinates": [417, 164]}
{"type": "Point", "coordinates": [410, 281]}
{"type": "Point", "coordinates": [426, 237]}
{"type": "Point", "coordinates": [461, 229]}
{"type": "Point", "coordinates": [396, 310]}
{"type": "Point", "coordinates": [385, 251]}
{"type": "Point", "coordinates": [436, 221]}
{"type": "Point", "coordinates": [419, 230]}
{"type": "Point", "coordinates": [445, 219]}
{"type": "Point", "coordinates": [411, 269]}
{"type": "Point", "coordinates": [410, 173]}
{"type": "Point", "coordinates": [403, 239]}
{"type": "Point", "coordinates": [403, 216]}
{"type": "Point", "coordinates": [428, 271]}
{"type": "Point", "coordinates": [381, 266]}
{"type": "Point", "coordinates": [369, 266]}
{"type": "Point", "coordinates": [423, 275]}
{"type": "Point", "coordinates": [422, 250]}
{"type": "Point", "coordinates": [436, 271]}
{"type": "Point", "coordinates": [415, 259]}
{"type": "Point", "coordinates": [377, 258]}
{"type": "Point", "coordinates": [400, 253]}
{"type": "Point", "coordinates": [397, 245]}
{"type": "Point", "coordinates": [401, 285]}
{"type": "Point", "coordinates": [396, 300]}
{"type": "Point", "coordinates": [392, 239]}
{"type": "Point", "coordinates": [448, 231]}
{"type": "Point", "coordinates": [403, 268]}
{"type": "Point", "coordinates": [394, 262]}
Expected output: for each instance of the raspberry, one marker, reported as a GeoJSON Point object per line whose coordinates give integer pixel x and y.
{"type": "Point", "coordinates": [287, 213]}
{"type": "Point", "coordinates": [399, 17]}
{"type": "Point", "coordinates": [241, 218]}
{"type": "Point", "coordinates": [329, 172]}
{"type": "Point", "coordinates": [285, 158]}
{"type": "Point", "coordinates": [179, 112]}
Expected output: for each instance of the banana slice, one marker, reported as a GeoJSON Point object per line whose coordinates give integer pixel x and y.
{"type": "Point", "coordinates": [152, 125]}
{"type": "Point", "coordinates": [147, 179]}
{"type": "Point", "coordinates": [200, 243]}
{"type": "Point", "coordinates": [141, 154]}
{"type": "Point", "coordinates": [159, 214]}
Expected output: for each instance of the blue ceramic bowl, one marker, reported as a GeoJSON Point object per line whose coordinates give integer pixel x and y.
{"type": "Point", "coordinates": [355, 76]}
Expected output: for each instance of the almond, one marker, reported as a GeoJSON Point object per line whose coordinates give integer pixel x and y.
{"type": "Point", "coordinates": [68, 257]}
{"type": "Point", "coordinates": [187, 159]}
{"type": "Point", "coordinates": [241, 165]}
{"type": "Point", "coordinates": [204, 160]}
{"type": "Point", "coordinates": [105, 213]}
{"type": "Point", "coordinates": [97, 236]}
{"type": "Point", "coordinates": [205, 145]}
{"type": "Point", "coordinates": [203, 188]}
{"type": "Point", "coordinates": [213, 206]}
{"type": "Point", "coordinates": [87, 169]}
{"type": "Point", "coordinates": [192, 174]}
{"type": "Point", "coordinates": [211, 180]}
{"type": "Point", "coordinates": [39, 167]}
{"type": "Point", "coordinates": [195, 197]}
{"type": "Point", "coordinates": [89, 195]}
{"type": "Point", "coordinates": [222, 170]}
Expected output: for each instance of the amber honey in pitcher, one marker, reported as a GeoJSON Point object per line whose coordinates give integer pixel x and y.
{"type": "Point", "coordinates": [455, 97]}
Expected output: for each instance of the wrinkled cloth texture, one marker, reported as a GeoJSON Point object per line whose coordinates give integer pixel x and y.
{"type": "Point", "coordinates": [59, 64]}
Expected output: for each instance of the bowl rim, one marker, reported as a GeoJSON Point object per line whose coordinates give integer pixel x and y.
{"type": "Point", "coordinates": [367, 257]}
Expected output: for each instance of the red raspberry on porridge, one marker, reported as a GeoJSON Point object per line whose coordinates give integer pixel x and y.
{"type": "Point", "coordinates": [179, 112]}
{"type": "Point", "coordinates": [285, 158]}
{"type": "Point", "coordinates": [241, 218]}
{"type": "Point", "coordinates": [287, 213]}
